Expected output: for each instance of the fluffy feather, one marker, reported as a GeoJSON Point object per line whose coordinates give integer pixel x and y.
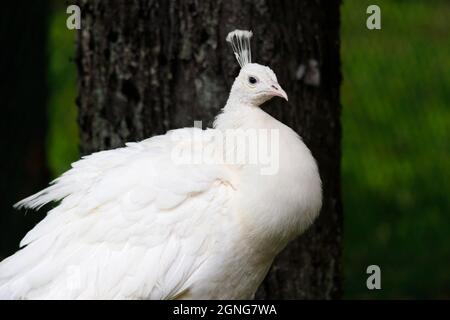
{"type": "Point", "coordinates": [133, 223]}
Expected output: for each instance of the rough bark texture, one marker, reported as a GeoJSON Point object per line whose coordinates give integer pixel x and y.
{"type": "Point", "coordinates": [148, 66]}
{"type": "Point", "coordinates": [23, 92]}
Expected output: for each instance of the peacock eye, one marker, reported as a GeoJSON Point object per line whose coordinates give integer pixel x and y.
{"type": "Point", "coordinates": [252, 80]}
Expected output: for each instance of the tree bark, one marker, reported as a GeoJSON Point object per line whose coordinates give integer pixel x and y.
{"type": "Point", "coordinates": [23, 92]}
{"type": "Point", "coordinates": [148, 66]}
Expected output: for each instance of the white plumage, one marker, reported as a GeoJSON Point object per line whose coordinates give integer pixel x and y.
{"type": "Point", "coordinates": [133, 223]}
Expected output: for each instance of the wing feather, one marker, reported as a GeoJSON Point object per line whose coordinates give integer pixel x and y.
{"type": "Point", "coordinates": [130, 224]}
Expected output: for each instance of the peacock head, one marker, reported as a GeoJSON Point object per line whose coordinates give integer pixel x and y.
{"type": "Point", "coordinates": [255, 83]}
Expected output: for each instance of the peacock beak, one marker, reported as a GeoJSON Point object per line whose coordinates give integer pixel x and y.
{"type": "Point", "coordinates": [277, 91]}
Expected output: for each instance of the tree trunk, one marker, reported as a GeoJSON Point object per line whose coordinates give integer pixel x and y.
{"type": "Point", "coordinates": [148, 66]}
{"type": "Point", "coordinates": [23, 92]}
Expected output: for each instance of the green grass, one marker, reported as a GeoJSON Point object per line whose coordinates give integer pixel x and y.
{"type": "Point", "coordinates": [62, 139]}
{"type": "Point", "coordinates": [396, 143]}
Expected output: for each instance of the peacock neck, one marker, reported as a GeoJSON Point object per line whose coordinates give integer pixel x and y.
{"type": "Point", "coordinates": [237, 113]}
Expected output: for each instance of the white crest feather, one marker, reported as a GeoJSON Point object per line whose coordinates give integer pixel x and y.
{"type": "Point", "coordinates": [240, 42]}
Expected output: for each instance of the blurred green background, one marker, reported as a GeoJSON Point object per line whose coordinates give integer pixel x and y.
{"type": "Point", "coordinates": [396, 142]}
{"type": "Point", "coordinates": [396, 147]}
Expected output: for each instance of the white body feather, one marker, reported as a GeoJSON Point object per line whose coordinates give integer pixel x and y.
{"type": "Point", "coordinates": [132, 224]}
